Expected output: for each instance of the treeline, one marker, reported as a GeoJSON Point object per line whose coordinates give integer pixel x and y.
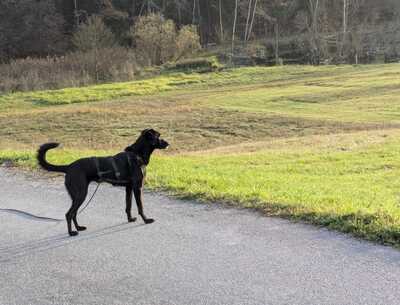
{"type": "Point", "coordinates": [301, 31]}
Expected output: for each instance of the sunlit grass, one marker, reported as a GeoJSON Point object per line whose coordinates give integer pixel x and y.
{"type": "Point", "coordinates": [282, 77]}
{"type": "Point", "coordinates": [354, 96]}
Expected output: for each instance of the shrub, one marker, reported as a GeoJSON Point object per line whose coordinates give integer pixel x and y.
{"type": "Point", "coordinates": [72, 70]}
{"type": "Point", "coordinates": [188, 41]}
{"type": "Point", "coordinates": [155, 38]}
{"type": "Point", "coordinates": [201, 64]}
{"type": "Point", "coordinates": [158, 40]}
{"type": "Point", "coordinates": [93, 35]}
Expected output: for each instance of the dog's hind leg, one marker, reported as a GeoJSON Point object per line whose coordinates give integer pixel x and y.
{"type": "Point", "coordinates": [79, 200]}
{"type": "Point", "coordinates": [128, 198]}
{"type": "Point", "coordinates": [78, 191]}
{"type": "Point", "coordinates": [78, 227]}
{"type": "Point", "coordinates": [69, 217]}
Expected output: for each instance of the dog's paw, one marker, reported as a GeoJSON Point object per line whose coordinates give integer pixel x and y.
{"type": "Point", "coordinates": [132, 219]}
{"type": "Point", "coordinates": [73, 233]}
{"type": "Point", "coordinates": [149, 220]}
{"type": "Point", "coordinates": [81, 228]}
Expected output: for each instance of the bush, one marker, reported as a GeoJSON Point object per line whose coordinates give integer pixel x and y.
{"type": "Point", "coordinates": [158, 40]}
{"type": "Point", "coordinates": [187, 42]}
{"type": "Point", "coordinates": [155, 38]}
{"type": "Point", "coordinates": [72, 70]}
{"type": "Point", "coordinates": [209, 64]}
{"type": "Point", "coordinates": [92, 35]}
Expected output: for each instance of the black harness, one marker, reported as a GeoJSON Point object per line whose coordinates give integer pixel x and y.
{"type": "Point", "coordinates": [115, 171]}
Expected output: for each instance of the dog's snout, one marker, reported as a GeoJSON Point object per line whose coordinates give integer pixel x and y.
{"type": "Point", "coordinates": [164, 144]}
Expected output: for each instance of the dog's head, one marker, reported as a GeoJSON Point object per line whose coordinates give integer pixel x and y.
{"type": "Point", "coordinates": [152, 137]}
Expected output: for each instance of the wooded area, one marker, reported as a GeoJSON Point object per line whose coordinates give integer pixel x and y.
{"type": "Point", "coordinates": [292, 31]}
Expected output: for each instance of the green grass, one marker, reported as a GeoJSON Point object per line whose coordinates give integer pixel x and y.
{"type": "Point", "coordinates": [355, 191]}
{"type": "Point", "coordinates": [308, 76]}
{"type": "Point", "coordinates": [317, 144]}
{"type": "Point", "coordinates": [101, 92]}
{"type": "Point", "coordinates": [345, 95]}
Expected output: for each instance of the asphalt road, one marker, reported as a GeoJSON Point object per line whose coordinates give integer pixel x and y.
{"type": "Point", "coordinates": [193, 254]}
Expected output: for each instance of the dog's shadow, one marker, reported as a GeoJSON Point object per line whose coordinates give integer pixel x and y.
{"type": "Point", "coordinates": [12, 252]}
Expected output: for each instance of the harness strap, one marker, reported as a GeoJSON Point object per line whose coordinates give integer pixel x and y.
{"type": "Point", "coordinates": [116, 171]}
{"type": "Point", "coordinates": [96, 162]}
{"type": "Point", "coordinates": [99, 172]}
{"type": "Point", "coordinates": [139, 161]}
{"type": "Point", "coordinates": [129, 162]}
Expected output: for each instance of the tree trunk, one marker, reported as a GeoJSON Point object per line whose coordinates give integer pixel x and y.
{"type": "Point", "coordinates": [164, 6]}
{"type": "Point", "coordinates": [344, 28]}
{"type": "Point", "coordinates": [252, 20]}
{"type": "Point", "coordinates": [179, 14]}
{"type": "Point", "coordinates": [314, 6]}
{"type": "Point", "coordinates": [76, 17]}
{"type": "Point", "coordinates": [221, 27]}
{"type": "Point", "coordinates": [247, 20]}
{"type": "Point", "coordinates": [277, 43]}
{"type": "Point", "coordinates": [199, 22]}
{"type": "Point", "coordinates": [194, 12]}
{"type": "Point", "coordinates": [234, 26]}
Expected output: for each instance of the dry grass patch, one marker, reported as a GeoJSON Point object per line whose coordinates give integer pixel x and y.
{"type": "Point", "coordinates": [353, 140]}
{"type": "Point", "coordinates": [112, 125]}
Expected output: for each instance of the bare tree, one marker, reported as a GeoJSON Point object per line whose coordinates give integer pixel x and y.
{"type": "Point", "coordinates": [221, 26]}
{"type": "Point", "coordinates": [194, 12]}
{"type": "Point", "coordinates": [234, 25]}
{"type": "Point", "coordinates": [252, 20]}
{"type": "Point", "coordinates": [313, 6]}
{"type": "Point", "coordinates": [248, 20]}
{"type": "Point", "coordinates": [344, 27]}
{"type": "Point", "coordinates": [39, 30]}
{"type": "Point", "coordinates": [93, 36]}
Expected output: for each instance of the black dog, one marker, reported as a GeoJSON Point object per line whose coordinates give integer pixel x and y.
{"type": "Point", "coordinates": [124, 169]}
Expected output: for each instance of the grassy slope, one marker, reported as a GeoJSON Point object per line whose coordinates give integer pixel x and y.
{"type": "Point", "coordinates": [350, 188]}
{"type": "Point", "coordinates": [317, 144]}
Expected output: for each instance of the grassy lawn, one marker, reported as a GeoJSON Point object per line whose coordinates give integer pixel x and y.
{"type": "Point", "coordinates": [319, 144]}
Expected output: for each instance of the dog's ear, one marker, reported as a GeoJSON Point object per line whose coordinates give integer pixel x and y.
{"type": "Point", "coordinates": [144, 131]}
{"type": "Point", "coordinates": [150, 134]}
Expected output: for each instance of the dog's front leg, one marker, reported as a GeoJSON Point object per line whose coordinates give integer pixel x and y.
{"type": "Point", "coordinates": [128, 197]}
{"type": "Point", "coordinates": [137, 191]}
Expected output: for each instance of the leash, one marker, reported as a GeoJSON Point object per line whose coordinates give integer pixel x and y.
{"type": "Point", "coordinates": [48, 219]}
{"type": "Point", "coordinates": [94, 193]}
{"type": "Point", "coordinates": [19, 212]}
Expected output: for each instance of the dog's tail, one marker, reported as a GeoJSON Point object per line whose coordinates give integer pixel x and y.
{"type": "Point", "coordinates": [41, 157]}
